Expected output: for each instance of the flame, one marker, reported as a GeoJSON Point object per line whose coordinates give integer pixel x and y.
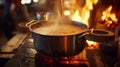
{"type": "Point", "coordinates": [67, 12]}
{"type": "Point", "coordinates": [92, 44]}
{"type": "Point", "coordinates": [76, 16]}
{"type": "Point", "coordinates": [82, 13]}
{"type": "Point", "coordinates": [76, 59]}
{"type": "Point", "coordinates": [109, 17]}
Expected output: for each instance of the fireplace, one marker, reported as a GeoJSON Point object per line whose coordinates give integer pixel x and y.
{"type": "Point", "coordinates": [105, 15]}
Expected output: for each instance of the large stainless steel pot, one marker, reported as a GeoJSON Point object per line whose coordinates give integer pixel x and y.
{"type": "Point", "coordinates": [58, 46]}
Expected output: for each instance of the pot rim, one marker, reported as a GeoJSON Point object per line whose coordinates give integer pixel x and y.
{"type": "Point", "coordinates": [85, 28]}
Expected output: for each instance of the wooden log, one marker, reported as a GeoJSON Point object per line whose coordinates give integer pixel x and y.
{"type": "Point", "coordinates": [8, 50]}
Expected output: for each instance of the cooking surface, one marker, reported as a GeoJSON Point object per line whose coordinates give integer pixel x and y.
{"type": "Point", "coordinates": [25, 57]}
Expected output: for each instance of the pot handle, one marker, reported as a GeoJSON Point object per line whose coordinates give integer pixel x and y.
{"type": "Point", "coordinates": [89, 31]}
{"type": "Point", "coordinates": [30, 22]}
{"type": "Point", "coordinates": [84, 34]}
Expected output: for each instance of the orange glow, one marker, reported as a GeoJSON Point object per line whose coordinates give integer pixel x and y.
{"type": "Point", "coordinates": [92, 44]}
{"type": "Point", "coordinates": [67, 12]}
{"type": "Point", "coordinates": [108, 17]}
{"type": "Point", "coordinates": [82, 13]}
{"type": "Point", "coordinates": [76, 16]}
{"type": "Point", "coordinates": [75, 59]}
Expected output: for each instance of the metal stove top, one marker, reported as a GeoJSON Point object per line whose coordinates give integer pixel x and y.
{"type": "Point", "coordinates": [25, 57]}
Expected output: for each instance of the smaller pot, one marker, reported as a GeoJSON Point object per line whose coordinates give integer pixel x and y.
{"type": "Point", "coordinates": [100, 35]}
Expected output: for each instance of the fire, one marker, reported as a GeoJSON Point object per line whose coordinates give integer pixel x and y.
{"type": "Point", "coordinates": [82, 11]}
{"type": "Point", "coordinates": [92, 44]}
{"type": "Point", "coordinates": [67, 12]}
{"type": "Point", "coordinates": [109, 17]}
{"type": "Point", "coordinates": [76, 59]}
{"type": "Point", "coordinates": [76, 16]}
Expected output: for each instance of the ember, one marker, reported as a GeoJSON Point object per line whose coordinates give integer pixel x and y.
{"type": "Point", "coordinates": [92, 44]}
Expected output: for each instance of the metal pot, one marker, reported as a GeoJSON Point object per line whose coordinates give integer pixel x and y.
{"type": "Point", "coordinates": [58, 46]}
